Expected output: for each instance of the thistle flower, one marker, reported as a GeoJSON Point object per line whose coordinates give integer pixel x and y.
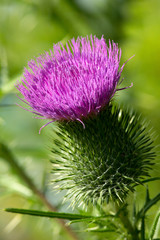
{"type": "Point", "coordinates": [72, 82]}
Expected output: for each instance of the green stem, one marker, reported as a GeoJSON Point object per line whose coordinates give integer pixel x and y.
{"type": "Point", "coordinates": [122, 213]}
{"type": "Point", "coordinates": [143, 228]}
{"type": "Point", "coordinates": [6, 154]}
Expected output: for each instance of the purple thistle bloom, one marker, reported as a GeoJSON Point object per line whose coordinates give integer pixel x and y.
{"type": "Point", "coordinates": [71, 83]}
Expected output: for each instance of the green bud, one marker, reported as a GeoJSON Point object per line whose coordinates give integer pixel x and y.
{"type": "Point", "coordinates": [103, 161]}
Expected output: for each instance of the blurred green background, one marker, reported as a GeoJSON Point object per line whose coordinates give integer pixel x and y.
{"type": "Point", "coordinates": [29, 28]}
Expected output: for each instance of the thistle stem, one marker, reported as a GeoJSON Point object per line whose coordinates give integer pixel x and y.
{"type": "Point", "coordinates": [7, 155]}
{"type": "Point", "coordinates": [123, 215]}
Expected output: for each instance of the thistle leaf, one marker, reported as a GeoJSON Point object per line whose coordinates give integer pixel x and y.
{"type": "Point", "coordinates": [93, 219]}
{"type": "Point", "coordinates": [147, 195]}
{"type": "Point", "coordinates": [155, 226]}
{"type": "Point", "coordinates": [150, 180]}
{"type": "Point", "coordinates": [68, 216]}
{"type": "Point", "coordinates": [147, 206]}
{"type": "Point", "coordinates": [100, 230]}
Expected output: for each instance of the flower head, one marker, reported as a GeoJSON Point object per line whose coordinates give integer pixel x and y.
{"type": "Point", "coordinates": [71, 82]}
{"type": "Point", "coordinates": [112, 155]}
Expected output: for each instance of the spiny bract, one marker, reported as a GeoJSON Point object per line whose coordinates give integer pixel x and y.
{"type": "Point", "coordinates": [103, 161]}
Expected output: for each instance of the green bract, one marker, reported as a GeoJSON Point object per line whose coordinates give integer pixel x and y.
{"type": "Point", "coordinates": [103, 161]}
